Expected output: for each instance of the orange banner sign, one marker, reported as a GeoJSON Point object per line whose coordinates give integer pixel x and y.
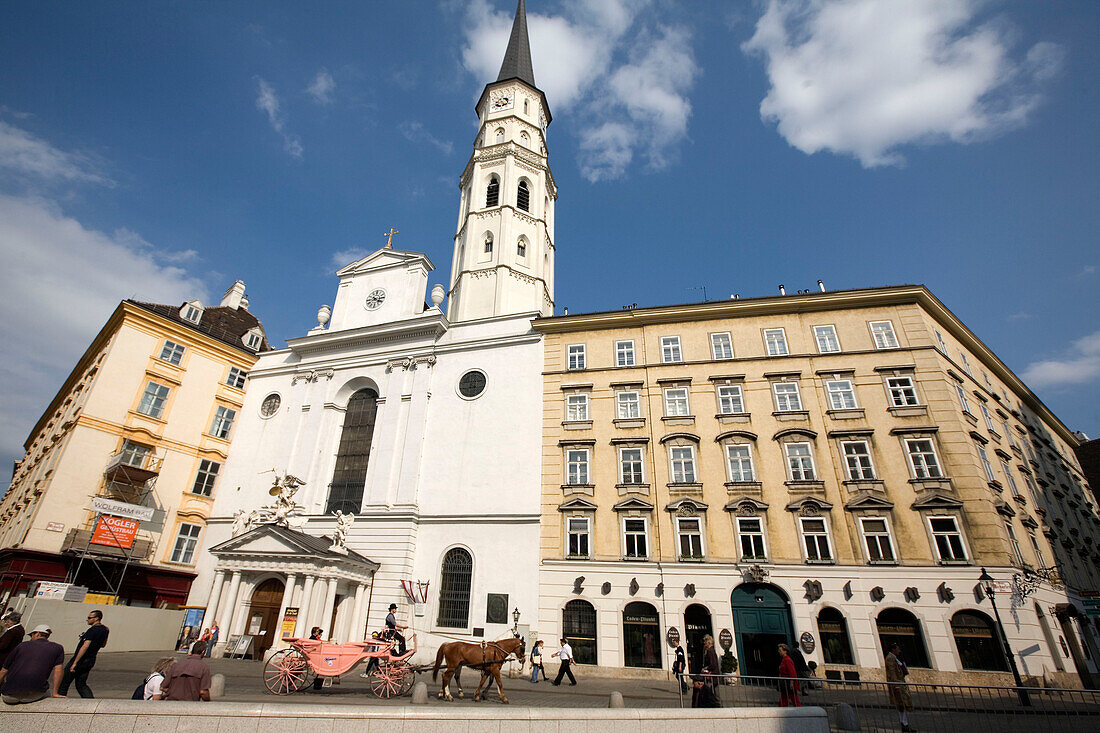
{"type": "Point", "coordinates": [115, 532]}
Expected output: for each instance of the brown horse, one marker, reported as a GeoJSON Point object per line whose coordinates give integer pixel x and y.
{"type": "Point", "coordinates": [486, 656]}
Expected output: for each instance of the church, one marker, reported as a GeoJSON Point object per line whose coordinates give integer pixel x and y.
{"type": "Point", "coordinates": [402, 440]}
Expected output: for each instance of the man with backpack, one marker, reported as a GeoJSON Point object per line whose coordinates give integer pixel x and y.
{"type": "Point", "coordinates": [189, 679]}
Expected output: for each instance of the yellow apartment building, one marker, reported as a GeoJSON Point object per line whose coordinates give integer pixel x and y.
{"type": "Point", "coordinates": [121, 470]}
{"type": "Point", "coordinates": [827, 469]}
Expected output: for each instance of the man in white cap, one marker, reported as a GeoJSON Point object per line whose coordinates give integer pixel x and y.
{"type": "Point", "coordinates": [33, 669]}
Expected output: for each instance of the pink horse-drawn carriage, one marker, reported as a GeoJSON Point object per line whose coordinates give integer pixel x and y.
{"type": "Point", "coordinates": [294, 669]}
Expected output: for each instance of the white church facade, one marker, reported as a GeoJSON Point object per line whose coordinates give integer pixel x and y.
{"type": "Point", "coordinates": [424, 424]}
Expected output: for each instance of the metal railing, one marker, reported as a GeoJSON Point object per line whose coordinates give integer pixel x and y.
{"type": "Point", "coordinates": [873, 706]}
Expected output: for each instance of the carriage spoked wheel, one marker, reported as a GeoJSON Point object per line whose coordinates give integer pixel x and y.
{"type": "Point", "coordinates": [392, 679]}
{"type": "Point", "coordinates": [287, 671]}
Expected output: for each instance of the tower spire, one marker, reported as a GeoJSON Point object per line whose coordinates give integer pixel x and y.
{"type": "Point", "coordinates": [517, 59]}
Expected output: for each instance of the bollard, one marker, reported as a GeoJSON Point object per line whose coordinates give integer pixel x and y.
{"type": "Point", "coordinates": [217, 686]}
{"type": "Point", "coordinates": [615, 700]}
{"type": "Point", "coordinates": [846, 718]}
{"type": "Point", "coordinates": [419, 694]}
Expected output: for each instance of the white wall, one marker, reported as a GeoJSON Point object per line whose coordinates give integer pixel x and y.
{"type": "Point", "coordinates": [132, 629]}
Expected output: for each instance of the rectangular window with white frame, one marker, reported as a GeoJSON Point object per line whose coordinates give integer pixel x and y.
{"type": "Point", "coordinates": [172, 352]}
{"type": "Point", "coordinates": [947, 539]}
{"type": "Point", "coordinates": [676, 402]}
{"type": "Point", "coordinates": [1008, 435]}
{"type": "Point", "coordinates": [223, 422]}
{"type": "Point", "coordinates": [876, 539]}
{"type": "Point", "coordinates": [635, 538]}
{"type": "Point", "coordinates": [987, 467]}
{"type": "Point", "coordinates": [1039, 557]}
{"type": "Point", "coordinates": [721, 345]}
{"type": "Point", "coordinates": [682, 458]}
{"type": "Point", "coordinates": [826, 339]}
{"type": "Point", "coordinates": [236, 377]}
{"type": "Point", "coordinates": [964, 403]}
{"type": "Point", "coordinates": [902, 391]}
{"type": "Point", "coordinates": [576, 406]}
{"type": "Point", "coordinates": [578, 530]}
{"type": "Point", "coordinates": [923, 461]}
{"type": "Point", "coordinates": [940, 343]}
{"type": "Point", "coordinates": [1012, 485]}
{"type": "Point", "coordinates": [628, 405]}
{"type": "Point", "coordinates": [576, 356]}
{"type": "Point", "coordinates": [800, 462]}
{"type": "Point", "coordinates": [576, 466]}
{"type": "Point", "coordinates": [842, 394]}
{"type": "Point", "coordinates": [739, 463]}
{"type": "Point", "coordinates": [153, 400]}
{"type": "Point", "coordinates": [775, 341]}
{"type": "Point", "coordinates": [689, 535]}
{"type": "Point", "coordinates": [624, 353]}
{"type": "Point", "coordinates": [857, 460]}
{"type": "Point", "coordinates": [989, 424]}
{"type": "Point", "coordinates": [1017, 552]}
{"type": "Point", "coordinates": [787, 397]}
{"type": "Point", "coordinates": [187, 541]}
{"type": "Point", "coordinates": [966, 363]}
{"type": "Point", "coordinates": [670, 349]}
{"type": "Point", "coordinates": [630, 466]}
{"type": "Point", "coordinates": [883, 334]}
{"type": "Point", "coordinates": [731, 399]}
{"type": "Point", "coordinates": [815, 539]}
{"type": "Point", "coordinates": [750, 532]}
{"type": "Point", "coordinates": [206, 477]}
{"type": "Point", "coordinates": [134, 454]}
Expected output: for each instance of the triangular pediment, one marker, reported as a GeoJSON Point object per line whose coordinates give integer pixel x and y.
{"type": "Point", "coordinates": [577, 503]}
{"type": "Point", "coordinates": [273, 540]}
{"type": "Point", "coordinates": [633, 503]}
{"type": "Point", "coordinates": [384, 258]}
{"type": "Point", "coordinates": [865, 500]}
{"type": "Point", "coordinates": [936, 500]}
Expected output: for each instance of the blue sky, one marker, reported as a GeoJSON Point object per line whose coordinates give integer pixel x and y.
{"type": "Point", "coordinates": [162, 150]}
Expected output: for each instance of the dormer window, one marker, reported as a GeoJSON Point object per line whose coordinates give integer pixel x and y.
{"type": "Point", "coordinates": [523, 197]}
{"type": "Point", "coordinates": [191, 312]}
{"type": "Point", "coordinates": [253, 339]}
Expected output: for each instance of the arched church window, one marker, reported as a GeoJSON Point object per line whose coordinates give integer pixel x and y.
{"type": "Point", "coordinates": [526, 108]}
{"type": "Point", "coordinates": [492, 192]}
{"type": "Point", "coordinates": [521, 248]}
{"type": "Point", "coordinates": [346, 493]}
{"type": "Point", "coordinates": [524, 140]}
{"type": "Point", "coordinates": [523, 197]}
{"type": "Point", "coordinates": [500, 134]}
{"type": "Point", "coordinates": [488, 244]}
{"type": "Point", "coordinates": [454, 589]}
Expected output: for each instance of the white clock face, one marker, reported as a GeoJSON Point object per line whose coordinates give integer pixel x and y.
{"type": "Point", "coordinates": [502, 100]}
{"type": "Point", "coordinates": [375, 299]}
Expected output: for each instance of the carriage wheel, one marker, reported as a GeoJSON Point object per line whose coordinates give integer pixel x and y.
{"type": "Point", "coordinates": [287, 671]}
{"type": "Point", "coordinates": [391, 679]}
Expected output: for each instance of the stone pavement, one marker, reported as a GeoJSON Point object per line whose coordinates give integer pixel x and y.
{"type": "Point", "coordinates": [116, 674]}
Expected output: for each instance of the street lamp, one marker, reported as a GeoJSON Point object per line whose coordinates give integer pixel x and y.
{"type": "Point", "coordinates": [988, 586]}
{"type": "Point", "coordinates": [515, 619]}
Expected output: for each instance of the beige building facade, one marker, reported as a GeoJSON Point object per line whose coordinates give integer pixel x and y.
{"type": "Point", "coordinates": [828, 469]}
{"type": "Point", "coordinates": [121, 470]}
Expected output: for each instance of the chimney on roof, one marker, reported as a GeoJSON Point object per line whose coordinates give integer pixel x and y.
{"type": "Point", "coordinates": [234, 297]}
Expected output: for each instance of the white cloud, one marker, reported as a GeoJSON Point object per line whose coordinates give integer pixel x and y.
{"type": "Point", "coordinates": [25, 155]}
{"type": "Point", "coordinates": [1081, 364]}
{"type": "Point", "coordinates": [345, 257]}
{"type": "Point", "coordinates": [1086, 271]}
{"type": "Point", "coordinates": [268, 102]}
{"type": "Point", "coordinates": [322, 87]}
{"type": "Point", "coordinates": [626, 71]}
{"type": "Point", "coordinates": [60, 282]}
{"type": "Point", "coordinates": [415, 132]}
{"type": "Point", "coordinates": [865, 77]}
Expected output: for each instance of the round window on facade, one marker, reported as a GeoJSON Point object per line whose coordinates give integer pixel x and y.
{"type": "Point", "coordinates": [270, 405]}
{"type": "Point", "coordinates": [472, 384]}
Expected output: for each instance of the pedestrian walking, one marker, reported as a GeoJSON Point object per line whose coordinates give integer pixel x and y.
{"type": "Point", "coordinates": [213, 639]}
{"type": "Point", "coordinates": [679, 665]}
{"type": "Point", "coordinates": [565, 656]}
{"type": "Point", "coordinates": [88, 645]}
{"type": "Point", "coordinates": [896, 672]}
{"type": "Point", "coordinates": [154, 682]}
{"type": "Point", "coordinates": [33, 669]}
{"type": "Point", "coordinates": [13, 634]}
{"type": "Point", "coordinates": [788, 683]}
{"type": "Point", "coordinates": [703, 695]}
{"type": "Point", "coordinates": [536, 662]}
{"type": "Point", "coordinates": [189, 678]}
{"type": "Point", "coordinates": [711, 666]}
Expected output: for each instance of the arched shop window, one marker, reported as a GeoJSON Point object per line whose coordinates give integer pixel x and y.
{"type": "Point", "coordinates": [977, 642]}
{"type": "Point", "coordinates": [898, 626]}
{"type": "Point", "coordinates": [836, 646]}
{"type": "Point", "coordinates": [641, 636]}
{"type": "Point", "coordinates": [578, 623]}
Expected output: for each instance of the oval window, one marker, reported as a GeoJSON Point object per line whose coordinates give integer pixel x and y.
{"type": "Point", "coordinates": [472, 384]}
{"type": "Point", "coordinates": [270, 405]}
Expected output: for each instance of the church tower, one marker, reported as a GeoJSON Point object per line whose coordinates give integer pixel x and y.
{"type": "Point", "coordinates": [503, 260]}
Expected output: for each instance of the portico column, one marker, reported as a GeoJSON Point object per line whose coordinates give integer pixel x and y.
{"type": "Point", "coordinates": [357, 626]}
{"type": "Point", "coordinates": [288, 593]}
{"type": "Point", "coordinates": [215, 595]}
{"type": "Point", "coordinates": [225, 620]}
{"type": "Point", "coordinates": [330, 602]}
{"type": "Point", "coordinates": [301, 629]}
